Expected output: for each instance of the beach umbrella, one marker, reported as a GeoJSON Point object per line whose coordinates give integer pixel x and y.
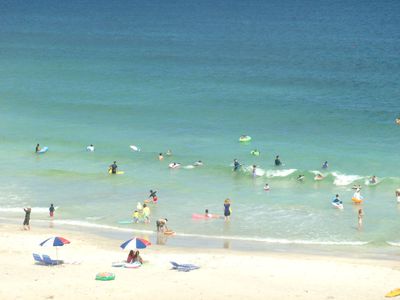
{"type": "Point", "coordinates": [55, 241]}
{"type": "Point", "coordinates": [135, 243]}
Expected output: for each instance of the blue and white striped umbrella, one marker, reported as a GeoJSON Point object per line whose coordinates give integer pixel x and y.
{"type": "Point", "coordinates": [55, 241]}
{"type": "Point", "coordinates": [135, 243]}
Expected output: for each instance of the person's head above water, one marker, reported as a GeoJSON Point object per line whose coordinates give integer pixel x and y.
{"type": "Point", "coordinates": [206, 211]}
{"type": "Point", "coordinates": [337, 195]}
{"type": "Point", "coordinates": [115, 162]}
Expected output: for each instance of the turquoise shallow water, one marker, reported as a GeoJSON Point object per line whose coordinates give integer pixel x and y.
{"type": "Point", "coordinates": [308, 81]}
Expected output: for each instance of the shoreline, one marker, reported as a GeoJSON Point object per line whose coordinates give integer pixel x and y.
{"type": "Point", "coordinates": [223, 273]}
{"type": "Point", "coordinates": [188, 241]}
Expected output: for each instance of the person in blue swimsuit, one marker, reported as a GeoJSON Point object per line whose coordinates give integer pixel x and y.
{"type": "Point", "coordinates": [236, 165]}
{"type": "Point", "coordinates": [227, 209]}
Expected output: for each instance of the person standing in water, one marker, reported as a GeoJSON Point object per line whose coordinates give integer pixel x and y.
{"type": "Point", "coordinates": [51, 210]}
{"type": "Point", "coordinates": [37, 149]}
{"type": "Point", "coordinates": [113, 168]}
{"type": "Point", "coordinates": [254, 170]}
{"type": "Point", "coordinates": [277, 161]}
{"type": "Point", "coordinates": [360, 218]}
{"type": "Point", "coordinates": [153, 196]}
{"type": "Point", "coordinates": [146, 213]}
{"type": "Point", "coordinates": [160, 156]}
{"type": "Point", "coordinates": [325, 165]}
{"type": "Point", "coordinates": [27, 218]}
{"type": "Point", "coordinates": [236, 165]}
{"type": "Point", "coordinates": [227, 209]}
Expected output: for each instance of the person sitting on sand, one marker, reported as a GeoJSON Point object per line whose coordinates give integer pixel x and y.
{"type": "Point", "coordinates": [162, 225]}
{"type": "Point", "coordinates": [277, 161]}
{"type": "Point", "coordinates": [131, 255]}
{"type": "Point", "coordinates": [137, 258]}
{"type": "Point", "coordinates": [37, 149]}
{"type": "Point", "coordinates": [160, 156]}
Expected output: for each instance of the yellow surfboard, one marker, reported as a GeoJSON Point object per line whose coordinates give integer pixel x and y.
{"type": "Point", "coordinates": [394, 293]}
{"type": "Point", "coordinates": [118, 172]}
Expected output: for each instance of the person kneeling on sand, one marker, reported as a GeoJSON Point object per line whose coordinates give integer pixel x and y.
{"type": "Point", "coordinates": [162, 225]}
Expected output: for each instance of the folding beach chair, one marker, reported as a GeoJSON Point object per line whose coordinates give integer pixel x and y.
{"type": "Point", "coordinates": [183, 267]}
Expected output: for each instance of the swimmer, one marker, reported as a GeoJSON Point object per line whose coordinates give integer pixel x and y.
{"type": "Point", "coordinates": [153, 196]}
{"type": "Point", "coordinates": [398, 195]}
{"type": "Point", "coordinates": [227, 209]}
{"type": "Point", "coordinates": [169, 153]}
{"type": "Point", "coordinates": [373, 180]}
{"type": "Point", "coordinates": [318, 177]}
{"type": "Point", "coordinates": [254, 170]}
{"type": "Point", "coordinates": [113, 168]}
{"type": "Point", "coordinates": [277, 161]}
{"type": "Point", "coordinates": [160, 156]}
{"type": "Point", "coordinates": [337, 200]}
{"type": "Point", "coordinates": [360, 218]}
{"type": "Point", "coordinates": [266, 187]}
{"type": "Point", "coordinates": [174, 165]}
{"type": "Point", "coordinates": [325, 165]}
{"type": "Point", "coordinates": [236, 165]}
{"type": "Point", "coordinates": [198, 163]}
{"type": "Point", "coordinates": [37, 149]}
{"type": "Point", "coordinates": [356, 187]}
{"type": "Point", "coordinates": [90, 148]}
{"type": "Point", "coordinates": [207, 214]}
{"type": "Point", "coordinates": [300, 178]}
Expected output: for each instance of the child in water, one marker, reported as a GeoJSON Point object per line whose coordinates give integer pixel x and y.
{"type": "Point", "coordinates": [360, 218]}
{"type": "Point", "coordinates": [160, 156]}
{"type": "Point", "coordinates": [135, 216]}
{"type": "Point", "coordinates": [266, 187]}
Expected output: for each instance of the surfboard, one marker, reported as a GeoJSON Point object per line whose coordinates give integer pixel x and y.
{"type": "Point", "coordinates": [394, 293]}
{"type": "Point", "coordinates": [43, 150]}
{"type": "Point", "coordinates": [125, 222]}
{"type": "Point", "coordinates": [118, 172]}
{"type": "Point", "coordinates": [134, 148]}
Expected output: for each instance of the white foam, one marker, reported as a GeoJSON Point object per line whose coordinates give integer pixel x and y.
{"type": "Point", "coordinates": [189, 167]}
{"type": "Point", "coordinates": [21, 209]}
{"type": "Point", "coordinates": [395, 244]}
{"type": "Point", "coordinates": [259, 172]}
{"type": "Point", "coordinates": [280, 173]}
{"type": "Point", "coordinates": [343, 179]}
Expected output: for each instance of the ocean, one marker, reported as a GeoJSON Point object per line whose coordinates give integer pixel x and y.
{"type": "Point", "coordinates": [307, 80]}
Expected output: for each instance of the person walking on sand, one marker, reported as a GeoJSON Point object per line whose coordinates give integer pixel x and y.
{"type": "Point", "coordinates": [227, 209]}
{"type": "Point", "coordinates": [26, 225]}
{"type": "Point", "coordinates": [360, 218]}
{"type": "Point", "coordinates": [51, 210]}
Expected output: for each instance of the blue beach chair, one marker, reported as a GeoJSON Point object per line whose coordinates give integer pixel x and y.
{"type": "Point", "coordinates": [38, 259]}
{"type": "Point", "coordinates": [48, 261]}
{"type": "Point", "coordinates": [183, 267]}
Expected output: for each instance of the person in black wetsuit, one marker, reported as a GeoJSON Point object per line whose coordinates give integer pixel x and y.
{"type": "Point", "coordinates": [236, 165]}
{"type": "Point", "coordinates": [27, 218]}
{"type": "Point", "coordinates": [37, 149]}
{"type": "Point", "coordinates": [277, 161]}
{"type": "Point", "coordinates": [113, 168]}
{"type": "Point", "coordinates": [153, 196]}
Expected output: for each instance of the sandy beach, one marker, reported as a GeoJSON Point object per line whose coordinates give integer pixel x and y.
{"type": "Point", "coordinates": [224, 274]}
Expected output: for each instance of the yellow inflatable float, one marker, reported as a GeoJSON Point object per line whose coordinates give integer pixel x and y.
{"type": "Point", "coordinates": [356, 200]}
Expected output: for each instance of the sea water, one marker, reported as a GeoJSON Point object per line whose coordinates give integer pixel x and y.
{"type": "Point", "coordinates": [307, 80]}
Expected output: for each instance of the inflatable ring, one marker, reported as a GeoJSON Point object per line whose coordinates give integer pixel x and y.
{"type": "Point", "coordinates": [245, 138]}
{"type": "Point", "coordinates": [398, 121]}
{"type": "Point", "coordinates": [105, 276]}
{"type": "Point", "coordinates": [356, 200]}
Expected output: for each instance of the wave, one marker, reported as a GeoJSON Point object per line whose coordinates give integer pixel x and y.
{"type": "Point", "coordinates": [343, 179]}
{"type": "Point", "coordinates": [276, 240]}
{"type": "Point", "coordinates": [395, 244]}
{"type": "Point", "coordinates": [280, 173]}
{"type": "Point", "coordinates": [21, 209]}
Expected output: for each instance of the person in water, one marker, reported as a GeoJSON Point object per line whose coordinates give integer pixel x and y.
{"type": "Point", "coordinates": [266, 187]}
{"type": "Point", "coordinates": [277, 161]}
{"type": "Point", "coordinates": [360, 218]}
{"type": "Point", "coordinates": [160, 156]}
{"type": "Point", "coordinates": [113, 168]}
{"type": "Point", "coordinates": [153, 195]}
{"type": "Point", "coordinates": [90, 148]}
{"type": "Point", "coordinates": [325, 165]}
{"type": "Point", "coordinates": [337, 200]}
{"type": "Point", "coordinates": [207, 214]}
{"type": "Point", "coordinates": [318, 177]}
{"type": "Point", "coordinates": [169, 152]}
{"type": "Point", "coordinates": [254, 170]}
{"type": "Point", "coordinates": [136, 216]}
{"type": "Point", "coordinates": [162, 225]}
{"type": "Point", "coordinates": [300, 178]}
{"type": "Point", "coordinates": [373, 180]}
{"type": "Point", "coordinates": [198, 163]}
{"type": "Point", "coordinates": [37, 149]}
{"type": "Point", "coordinates": [227, 209]}
{"type": "Point", "coordinates": [146, 213]}
{"type": "Point", "coordinates": [236, 165]}
{"type": "Point", "coordinates": [27, 218]}
{"type": "Point", "coordinates": [51, 210]}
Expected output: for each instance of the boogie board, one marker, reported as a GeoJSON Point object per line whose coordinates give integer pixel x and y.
{"type": "Point", "coordinates": [204, 217]}
{"type": "Point", "coordinates": [118, 172]}
{"type": "Point", "coordinates": [134, 148]}
{"type": "Point", "coordinates": [133, 265]}
{"type": "Point", "coordinates": [393, 293]}
{"type": "Point", "coordinates": [43, 150]}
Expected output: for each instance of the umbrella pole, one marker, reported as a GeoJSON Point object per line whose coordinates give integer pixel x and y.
{"type": "Point", "coordinates": [57, 253]}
